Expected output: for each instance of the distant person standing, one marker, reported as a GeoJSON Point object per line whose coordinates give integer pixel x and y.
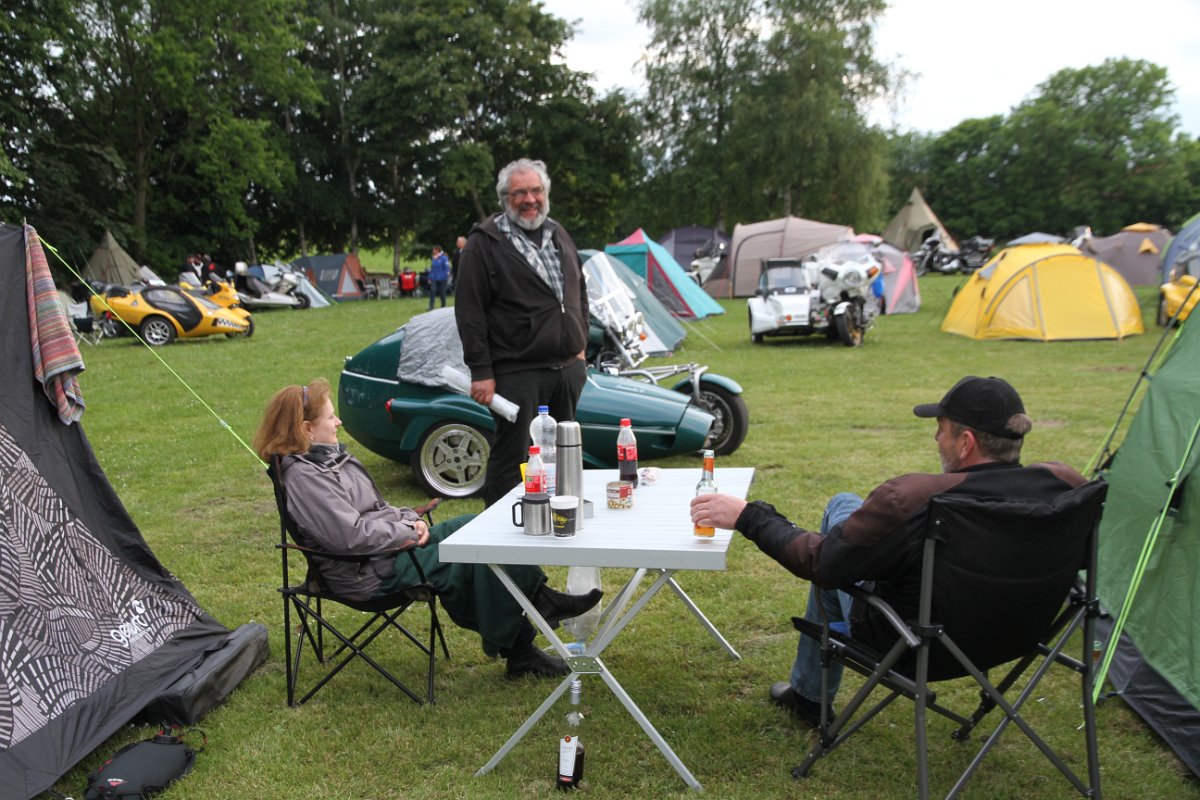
{"type": "Point", "coordinates": [522, 312]}
{"type": "Point", "coordinates": [459, 244]}
{"type": "Point", "coordinates": [439, 276]}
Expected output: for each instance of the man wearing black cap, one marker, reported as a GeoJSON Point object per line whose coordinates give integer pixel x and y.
{"type": "Point", "coordinates": [981, 427]}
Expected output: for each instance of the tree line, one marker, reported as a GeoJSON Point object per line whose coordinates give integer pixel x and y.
{"type": "Point", "coordinates": [262, 129]}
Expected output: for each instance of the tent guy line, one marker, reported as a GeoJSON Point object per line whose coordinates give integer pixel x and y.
{"type": "Point", "coordinates": [221, 421]}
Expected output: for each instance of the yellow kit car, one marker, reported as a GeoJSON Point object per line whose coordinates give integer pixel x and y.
{"type": "Point", "coordinates": [160, 313]}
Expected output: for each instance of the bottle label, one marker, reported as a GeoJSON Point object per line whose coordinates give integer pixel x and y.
{"type": "Point", "coordinates": [535, 484]}
{"type": "Point", "coordinates": [567, 746]}
{"type": "Point", "coordinates": [627, 452]}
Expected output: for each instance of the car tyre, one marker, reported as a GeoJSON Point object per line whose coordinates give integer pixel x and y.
{"type": "Point", "coordinates": [157, 331]}
{"type": "Point", "coordinates": [304, 300]}
{"type": "Point", "coordinates": [1163, 317]}
{"type": "Point", "coordinates": [246, 334]}
{"type": "Point", "coordinates": [451, 459]}
{"type": "Point", "coordinates": [731, 417]}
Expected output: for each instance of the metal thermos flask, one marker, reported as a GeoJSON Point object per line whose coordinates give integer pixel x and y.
{"type": "Point", "coordinates": [569, 439]}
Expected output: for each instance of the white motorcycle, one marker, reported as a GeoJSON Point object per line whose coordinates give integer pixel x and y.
{"type": "Point", "coordinates": [830, 292]}
{"type": "Point", "coordinates": [255, 293]}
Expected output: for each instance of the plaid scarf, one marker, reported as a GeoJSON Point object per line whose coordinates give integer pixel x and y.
{"type": "Point", "coordinates": [542, 260]}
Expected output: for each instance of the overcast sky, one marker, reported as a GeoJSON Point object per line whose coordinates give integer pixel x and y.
{"type": "Point", "coordinates": [971, 59]}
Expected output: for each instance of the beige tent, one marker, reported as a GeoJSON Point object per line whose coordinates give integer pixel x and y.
{"type": "Point", "coordinates": [1044, 291]}
{"type": "Point", "coordinates": [915, 223]}
{"type": "Point", "coordinates": [787, 237]}
{"type": "Point", "coordinates": [1135, 251]}
{"type": "Point", "coordinates": [111, 264]}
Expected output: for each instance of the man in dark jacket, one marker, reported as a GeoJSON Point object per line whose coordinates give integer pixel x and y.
{"type": "Point", "coordinates": [522, 313]}
{"type": "Point", "coordinates": [981, 427]}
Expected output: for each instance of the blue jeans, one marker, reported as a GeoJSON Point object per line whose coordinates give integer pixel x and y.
{"type": "Point", "coordinates": [806, 670]}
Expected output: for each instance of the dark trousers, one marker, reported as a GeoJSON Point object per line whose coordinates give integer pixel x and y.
{"type": "Point", "coordinates": [437, 289]}
{"type": "Point", "coordinates": [529, 388]}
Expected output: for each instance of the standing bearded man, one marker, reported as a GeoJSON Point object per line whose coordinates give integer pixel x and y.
{"type": "Point", "coordinates": [522, 315]}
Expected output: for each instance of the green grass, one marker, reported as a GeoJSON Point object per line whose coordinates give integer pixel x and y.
{"type": "Point", "coordinates": [824, 418]}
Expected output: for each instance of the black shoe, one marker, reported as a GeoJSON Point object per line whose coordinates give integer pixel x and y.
{"type": "Point", "coordinates": [556, 606]}
{"type": "Point", "coordinates": [530, 660]}
{"type": "Point", "coordinates": [809, 711]}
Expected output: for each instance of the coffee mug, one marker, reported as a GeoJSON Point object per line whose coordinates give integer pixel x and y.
{"type": "Point", "coordinates": [534, 514]}
{"type": "Point", "coordinates": [564, 515]}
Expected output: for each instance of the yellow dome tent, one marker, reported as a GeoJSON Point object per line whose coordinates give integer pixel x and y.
{"type": "Point", "coordinates": [1047, 292]}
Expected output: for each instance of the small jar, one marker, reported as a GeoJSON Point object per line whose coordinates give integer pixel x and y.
{"type": "Point", "coordinates": [619, 494]}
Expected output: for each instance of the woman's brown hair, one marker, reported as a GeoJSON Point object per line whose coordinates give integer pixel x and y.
{"type": "Point", "coordinates": [281, 431]}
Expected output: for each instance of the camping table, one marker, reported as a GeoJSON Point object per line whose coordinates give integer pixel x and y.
{"type": "Point", "coordinates": [654, 537]}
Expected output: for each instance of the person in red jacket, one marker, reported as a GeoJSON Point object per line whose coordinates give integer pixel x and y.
{"type": "Point", "coordinates": [981, 426]}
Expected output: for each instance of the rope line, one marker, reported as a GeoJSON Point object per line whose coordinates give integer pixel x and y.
{"type": "Point", "coordinates": [51, 248]}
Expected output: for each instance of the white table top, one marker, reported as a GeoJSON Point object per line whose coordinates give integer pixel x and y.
{"type": "Point", "coordinates": [656, 533]}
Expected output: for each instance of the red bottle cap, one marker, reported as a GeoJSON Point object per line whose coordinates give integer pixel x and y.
{"type": "Point", "coordinates": [534, 450]}
{"type": "Point", "coordinates": [625, 421]}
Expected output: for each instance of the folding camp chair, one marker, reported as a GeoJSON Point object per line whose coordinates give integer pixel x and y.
{"type": "Point", "coordinates": [1000, 581]}
{"type": "Point", "coordinates": [306, 599]}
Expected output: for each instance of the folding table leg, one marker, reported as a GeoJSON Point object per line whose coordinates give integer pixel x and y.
{"type": "Point", "coordinates": [716, 634]}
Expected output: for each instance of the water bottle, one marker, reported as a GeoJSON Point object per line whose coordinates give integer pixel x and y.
{"type": "Point", "coordinates": [570, 748]}
{"type": "Point", "coordinates": [543, 431]}
{"type": "Point", "coordinates": [627, 459]}
{"type": "Point", "coordinates": [581, 580]}
{"type": "Point", "coordinates": [535, 472]}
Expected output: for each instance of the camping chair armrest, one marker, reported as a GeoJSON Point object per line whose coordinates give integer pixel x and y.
{"type": "Point", "coordinates": [427, 510]}
{"type": "Point", "coordinates": [356, 558]}
{"type": "Point", "coordinates": [889, 613]}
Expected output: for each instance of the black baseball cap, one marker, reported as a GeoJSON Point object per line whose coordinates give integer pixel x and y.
{"type": "Point", "coordinates": [985, 404]}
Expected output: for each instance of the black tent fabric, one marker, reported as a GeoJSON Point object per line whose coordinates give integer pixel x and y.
{"type": "Point", "coordinates": [92, 627]}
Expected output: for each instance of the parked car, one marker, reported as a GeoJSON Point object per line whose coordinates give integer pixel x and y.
{"type": "Point", "coordinates": [445, 436]}
{"type": "Point", "coordinates": [161, 313]}
{"type": "Point", "coordinates": [830, 292]}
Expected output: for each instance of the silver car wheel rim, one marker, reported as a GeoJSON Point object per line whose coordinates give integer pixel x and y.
{"type": "Point", "coordinates": [157, 332]}
{"type": "Point", "coordinates": [454, 460]}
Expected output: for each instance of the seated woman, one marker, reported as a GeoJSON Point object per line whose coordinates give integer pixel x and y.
{"type": "Point", "coordinates": [334, 502]}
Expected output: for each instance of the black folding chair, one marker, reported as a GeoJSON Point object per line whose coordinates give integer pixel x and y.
{"type": "Point", "coordinates": [1001, 581]}
{"type": "Point", "coordinates": [307, 598]}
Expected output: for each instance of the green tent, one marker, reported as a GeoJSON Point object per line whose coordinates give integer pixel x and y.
{"type": "Point", "coordinates": [1150, 553]}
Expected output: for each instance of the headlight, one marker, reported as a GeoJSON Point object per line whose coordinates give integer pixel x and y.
{"type": "Point", "coordinates": [852, 278]}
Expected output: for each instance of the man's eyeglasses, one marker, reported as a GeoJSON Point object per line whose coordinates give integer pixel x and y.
{"type": "Point", "coordinates": [521, 194]}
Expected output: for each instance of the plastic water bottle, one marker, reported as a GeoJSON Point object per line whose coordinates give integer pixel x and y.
{"type": "Point", "coordinates": [627, 457]}
{"type": "Point", "coordinates": [581, 580]}
{"type": "Point", "coordinates": [543, 431]}
{"type": "Point", "coordinates": [570, 748]}
{"type": "Point", "coordinates": [535, 472]}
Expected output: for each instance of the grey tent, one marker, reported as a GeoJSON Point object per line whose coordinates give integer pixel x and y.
{"type": "Point", "coordinates": [1135, 251]}
{"type": "Point", "coordinates": [914, 223]}
{"type": "Point", "coordinates": [786, 237]}
{"type": "Point", "coordinates": [94, 631]}
{"type": "Point", "coordinates": [684, 243]}
{"type": "Point", "coordinates": [1152, 519]}
{"type": "Point", "coordinates": [111, 264]}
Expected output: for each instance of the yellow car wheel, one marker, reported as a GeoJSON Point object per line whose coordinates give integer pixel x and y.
{"type": "Point", "coordinates": [157, 331]}
{"type": "Point", "coordinates": [246, 334]}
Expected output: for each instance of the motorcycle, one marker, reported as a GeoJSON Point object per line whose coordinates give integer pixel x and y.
{"type": "Point", "coordinates": [830, 293]}
{"type": "Point", "coordinates": [935, 256]}
{"type": "Point", "coordinates": [283, 292]}
{"type": "Point", "coordinates": [707, 258]}
{"type": "Point", "coordinates": [615, 347]}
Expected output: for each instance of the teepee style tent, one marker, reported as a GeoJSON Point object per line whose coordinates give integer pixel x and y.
{"type": "Point", "coordinates": [1184, 245]}
{"type": "Point", "coordinates": [666, 279]}
{"type": "Point", "coordinates": [340, 276]}
{"type": "Point", "coordinates": [914, 223]}
{"type": "Point", "coordinates": [1152, 519]}
{"type": "Point", "coordinates": [1135, 251]}
{"type": "Point", "coordinates": [111, 264]}
{"type": "Point", "coordinates": [93, 629]}
{"type": "Point", "coordinates": [1047, 292]}
{"type": "Point", "coordinates": [786, 237]}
